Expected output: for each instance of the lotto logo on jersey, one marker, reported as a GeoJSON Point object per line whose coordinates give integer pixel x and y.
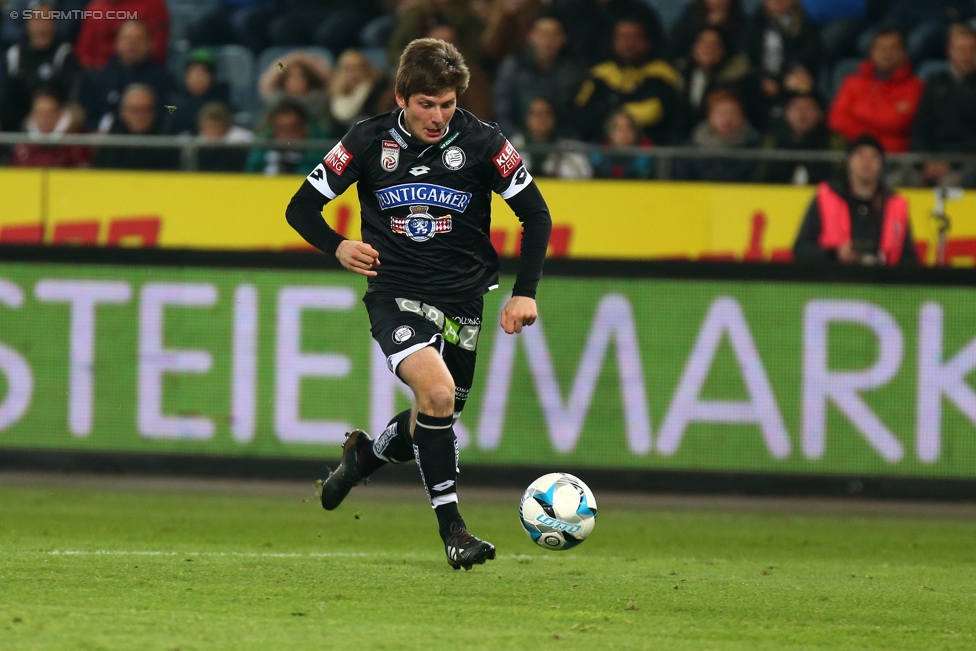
{"type": "Point", "coordinates": [420, 226]}
{"type": "Point", "coordinates": [507, 160]}
{"type": "Point", "coordinates": [338, 159]}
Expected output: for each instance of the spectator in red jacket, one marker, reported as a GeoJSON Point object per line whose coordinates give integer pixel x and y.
{"type": "Point", "coordinates": [96, 40]}
{"type": "Point", "coordinates": [881, 98]}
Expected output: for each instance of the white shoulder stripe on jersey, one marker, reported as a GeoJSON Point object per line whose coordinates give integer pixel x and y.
{"type": "Point", "coordinates": [318, 180]}
{"type": "Point", "coordinates": [520, 180]}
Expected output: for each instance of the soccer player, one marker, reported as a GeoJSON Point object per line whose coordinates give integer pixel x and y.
{"type": "Point", "coordinates": [425, 175]}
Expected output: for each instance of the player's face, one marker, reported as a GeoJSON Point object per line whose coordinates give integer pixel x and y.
{"type": "Point", "coordinates": [427, 116]}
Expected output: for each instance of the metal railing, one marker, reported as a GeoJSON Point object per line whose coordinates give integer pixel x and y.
{"type": "Point", "coordinates": [664, 157]}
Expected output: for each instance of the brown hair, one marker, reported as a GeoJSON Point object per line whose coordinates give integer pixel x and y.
{"type": "Point", "coordinates": [961, 29]}
{"type": "Point", "coordinates": [312, 80]}
{"type": "Point", "coordinates": [430, 66]}
{"type": "Point", "coordinates": [720, 95]}
{"type": "Point", "coordinates": [217, 112]}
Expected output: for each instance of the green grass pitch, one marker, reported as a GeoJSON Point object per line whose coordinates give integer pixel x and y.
{"type": "Point", "coordinates": [107, 568]}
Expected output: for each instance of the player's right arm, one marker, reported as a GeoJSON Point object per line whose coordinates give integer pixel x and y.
{"type": "Point", "coordinates": [330, 178]}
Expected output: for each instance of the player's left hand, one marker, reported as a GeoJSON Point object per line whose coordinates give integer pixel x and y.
{"type": "Point", "coordinates": [519, 311]}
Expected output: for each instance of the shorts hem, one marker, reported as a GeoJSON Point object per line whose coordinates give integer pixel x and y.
{"type": "Point", "coordinates": [393, 361]}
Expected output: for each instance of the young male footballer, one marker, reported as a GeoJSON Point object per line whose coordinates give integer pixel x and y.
{"type": "Point", "coordinates": [425, 176]}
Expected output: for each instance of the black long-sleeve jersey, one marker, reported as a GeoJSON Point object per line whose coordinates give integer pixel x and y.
{"type": "Point", "coordinates": [427, 208]}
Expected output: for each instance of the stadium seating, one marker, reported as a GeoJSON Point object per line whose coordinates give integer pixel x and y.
{"type": "Point", "coordinates": [842, 69]}
{"type": "Point", "coordinates": [377, 57]}
{"type": "Point", "coordinates": [235, 65]}
{"type": "Point", "coordinates": [181, 16]}
{"type": "Point", "coordinates": [933, 66]}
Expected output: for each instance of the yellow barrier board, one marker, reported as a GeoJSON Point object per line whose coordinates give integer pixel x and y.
{"type": "Point", "coordinates": [592, 219]}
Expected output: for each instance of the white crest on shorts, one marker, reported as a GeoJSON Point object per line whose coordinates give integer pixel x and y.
{"type": "Point", "coordinates": [402, 333]}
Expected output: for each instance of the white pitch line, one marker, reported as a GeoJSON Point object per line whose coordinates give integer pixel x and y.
{"type": "Point", "coordinates": [125, 552]}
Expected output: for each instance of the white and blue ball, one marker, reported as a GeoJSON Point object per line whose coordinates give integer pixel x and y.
{"type": "Point", "coordinates": [558, 511]}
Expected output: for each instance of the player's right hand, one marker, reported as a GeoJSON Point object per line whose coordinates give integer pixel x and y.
{"type": "Point", "coordinates": [358, 257]}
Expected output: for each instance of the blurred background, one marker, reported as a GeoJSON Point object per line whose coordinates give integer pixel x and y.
{"type": "Point", "coordinates": [705, 310]}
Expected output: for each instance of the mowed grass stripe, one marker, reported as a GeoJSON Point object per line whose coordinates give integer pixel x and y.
{"type": "Point", "coordinates": [175, 570]}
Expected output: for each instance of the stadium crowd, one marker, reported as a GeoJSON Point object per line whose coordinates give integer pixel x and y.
{"type": "Point", "coordinates": [717, 75]}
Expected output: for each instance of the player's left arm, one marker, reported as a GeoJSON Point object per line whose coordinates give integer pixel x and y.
{"type": "Point", "coordinates": [517, 187]}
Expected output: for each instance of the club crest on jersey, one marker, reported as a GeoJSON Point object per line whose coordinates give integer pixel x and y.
{"type": "Point", "coordinates": [507, 160]}
{"type": "Point", "coordinates": [420, 226]}
{"type": "Point", "coordinates": [409, 194]}
{"type": "Point", "coordinates": [338, 159]}
{"type": "Point", "coordinates": [453, 158]}
{"type": "Point", "coordinates": [390, 155]}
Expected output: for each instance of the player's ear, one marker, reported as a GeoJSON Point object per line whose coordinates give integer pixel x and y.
{"type": "Point", "coordinates": [401, 102]}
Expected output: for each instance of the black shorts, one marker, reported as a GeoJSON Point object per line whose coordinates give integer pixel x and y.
{"type": "Point", "coordinates": [402, 326]}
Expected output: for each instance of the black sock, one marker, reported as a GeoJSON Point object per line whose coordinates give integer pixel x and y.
{"type": "Point", "coordinates": [392, 446]}
{"type": "Point", "coordinates": [435, 447]}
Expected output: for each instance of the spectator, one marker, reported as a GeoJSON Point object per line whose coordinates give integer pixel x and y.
{"type": "Point", "coordinates": [542, 130]}
{"type": "Point", "coordinates": [841, 22]}
{"type": "Point", "coordinates": [131, 64]}
{"type": "Point", "coordinates": [230, 22]}
{"type": "Point", "coordinates": [881, 98]}
{"type": "Point", "coordinates": [216, 124]}
{"type": "Point", "coordinates": [98, 37]}
{"type": "Point", "coordinates": [543, 69]}
{"type": "Point", "coordinates": [725, 16]}
{"type": "Point", "coordinates": [300, 76]}
{"type": "Point", "coordinates": [925, 22]}
{"type": "Point", "coordinates": [946, 118]}
{"type": "Point", "coordinates": [645, 88]}
{"type": "Point", "coordinates": [507, 27]}
{"type": "Point", "coordinates": [288, 121]}
{"type": "Point", "coordinates": [477, 98]}
{"type": "Point", "coordinates": [424, 16]}
{"type": "Point", "coordinates": [199, 88]}
{"type": "Point", "coordinates": [355, 89]}
{"type": "Point", "coordinates": [332, 24]}
{"type": "Point", "coordinates": [803, 127]}
{"type": "Point", "coordinates": [780, 40]}
{"type": "Point", "coordinates": [49, 117]}
{"type": "Point", "coordinates": [710, 67]}
{"type": "Point", "coordinates": [622, 130]}
{"type": "Point", "coordinates": [14, 31]}
{"type": "Point", "coordinates": [724, 128]}
{"type": "Point", "coordinates": [591, 26]}
{"type": "Point", "coordinates": [857, 220]}
{"type": "Point", "coordinates": [37, 61]}
{"type": "Point", "coordinates": [138, 116]}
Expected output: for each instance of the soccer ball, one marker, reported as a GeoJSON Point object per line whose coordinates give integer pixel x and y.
{"type": "Point", "coordinates": [558, 511]}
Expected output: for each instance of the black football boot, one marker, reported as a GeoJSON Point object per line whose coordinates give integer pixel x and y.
{"type": "Point", "coordinates": [346, 475]}
{"type": "Point", "coordinates": [466, 550]}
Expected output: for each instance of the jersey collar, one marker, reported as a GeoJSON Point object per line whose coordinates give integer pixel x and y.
{"type": "Point", "coordinates": [402, 128]}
